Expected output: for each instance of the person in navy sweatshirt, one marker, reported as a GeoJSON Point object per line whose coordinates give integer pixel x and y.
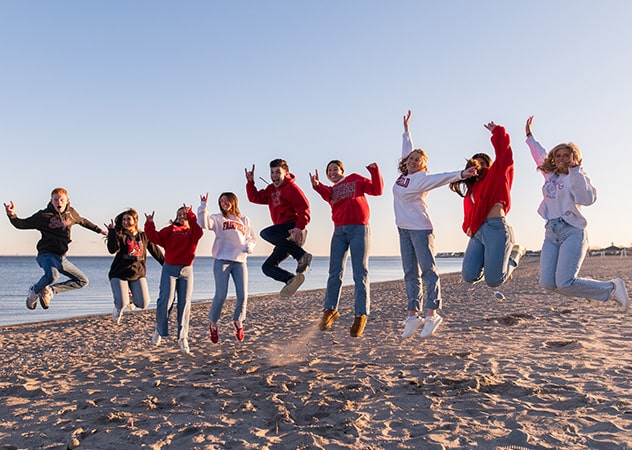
{"type": "Point", "coordinates": [54, 223]}
{"type": "Point", "coordinates": [289, 210]}
{"type": "Point", "coordinates": [129, 245]}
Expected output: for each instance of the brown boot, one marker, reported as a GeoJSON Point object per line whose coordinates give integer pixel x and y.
{"type": "Point", "coordinates": [358, 326]}
{"type": "Point", "coordinates": [328, 319]}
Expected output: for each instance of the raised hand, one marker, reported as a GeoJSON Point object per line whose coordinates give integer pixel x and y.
{"type": "Point", "coordinates": [527, 127]}
{"type": "Point", "coordinates": [10, 208]}
{"type": "Point", "coordinates": [204, 197]}
{"type": "Point", "coordinates": [250, 175]}
{"type": "Point", "coordinates": [490, 126]}
{"type": "Point", "coordinates": [111, 225]}
{"type": "Point", "coordinates": [407, 119]}
{"type": "Point", "coordinates": [314, 178]}
{"type": "Point", "coordinates": [149, 217]}
{"type": "Point", "coordinates": [469, 172]}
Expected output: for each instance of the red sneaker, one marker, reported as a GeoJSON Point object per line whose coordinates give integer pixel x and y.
{"type": "Point", "coordinates": [214, 333]}
{"type": "Point", "coordinates": [239, 331]}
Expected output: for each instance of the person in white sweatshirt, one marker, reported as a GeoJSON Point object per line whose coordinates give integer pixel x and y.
{"type": "Point", "coordinates": [566, 189]}
{"type": "Point", "coordinates": [234, 240]}
{"type": "Point", "coordinates": [416, 238]}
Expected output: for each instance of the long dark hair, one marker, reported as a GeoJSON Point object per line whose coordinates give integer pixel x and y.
{"type": "Point", "coordinates": [462, 186]}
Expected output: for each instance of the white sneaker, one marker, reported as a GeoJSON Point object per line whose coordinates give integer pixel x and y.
{"type": "Point", "coordinates": [156, 339]}
{"type": "Point", "coordinates": [292, 286]}
{"type": "Point", "coordinates": [431, 325]}
{"type": "Point", "coordinates": [45, 296]}
{"type": "Point", "coordinates": [517, 252]}
{"type": "Point", "coordinates": [413, 323]}
{"type": "Point", "coordinates": [116, 315]}
{"type": "Point", "coordinates": [184, 345]}
{"type": "Point", "coordinates": [620, 294]}
{"type": "Point", "coordinates": [31, 298]}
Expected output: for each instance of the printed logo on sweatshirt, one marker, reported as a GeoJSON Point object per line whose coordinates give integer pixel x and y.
{"type": "Point", "coordinates": [135, 248]}
{"type": "Point", "coordinates": [56, 222]}
{"type": "Point", "coordinates": [403, 181]}
{"type": "Point", "coordinates": [231, 225]}
{"type": "Point", "coordinates": [552, 186]}
{"type": "Point", "coordinates": [343, 191]}
{"type": "Point", "coordinates": [275, 198]}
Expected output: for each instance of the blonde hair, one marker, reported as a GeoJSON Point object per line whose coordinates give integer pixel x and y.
{"type": "Point", "coordinates": [423, 161]}
{"type": "Point", "coordinates": [549, 166]}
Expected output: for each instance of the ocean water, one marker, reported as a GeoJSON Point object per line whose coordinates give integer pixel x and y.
{"type": "Point", "coordinates": [17, 273]}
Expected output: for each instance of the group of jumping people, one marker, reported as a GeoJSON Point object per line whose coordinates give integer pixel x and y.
{"type": "Point", "coordinates": [492, 253]}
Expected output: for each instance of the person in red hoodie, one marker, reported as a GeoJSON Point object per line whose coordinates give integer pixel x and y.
{"type": "Point", "coordinates": [350, 213]}
{"type": "Point", "coordinates": [289, 210]}
{"type": "Point", "coordinates": [179, 239]}
{"type": "Point", "coordinates": [490, 252]}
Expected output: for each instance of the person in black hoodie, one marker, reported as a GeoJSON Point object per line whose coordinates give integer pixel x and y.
{"type": "Point", "coordinates": [54, 223]}
{"type": "Point", "coordinates": [127, 273]}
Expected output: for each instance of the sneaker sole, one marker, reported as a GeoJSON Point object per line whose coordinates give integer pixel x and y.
{"type": "Point", "coordinates": [291, 288]}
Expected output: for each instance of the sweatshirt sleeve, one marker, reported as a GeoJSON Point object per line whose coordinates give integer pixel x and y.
{"type": "Point", "coordinates": [156, 252]}
{"type": "Point", "coordinates": [152, 234]}
{"type": "Point", "coordinates": [197, 230]}
{"type": "Point", "coordinates": [259, 197]}
{"type": "Point", "coordinates": [583, 191]}
{"type": "Point", "coordinates": [203, 219]}
{"type": "Point", "coordinates": [407, 144]}
{"type": "Point", "coordinates": [323, 191]}
{"type": "Point", "coordinates": [538, 153]}
{"type": "Point", "coordinates": [30, 223]}
{"type": "Point", "coordinates": [502, 146]}
{"type": "Point", "coordinates": [85, 223]}
{"type": "Point", "coordinates": [113, 241]}
{"type": "Point", "coordinates": [376, 185]}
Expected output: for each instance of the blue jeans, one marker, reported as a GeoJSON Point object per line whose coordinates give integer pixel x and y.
{"type": "Point", "coordinates": [417, 250]}
{"type": "Point", "coordinates": [53, 265]}
{"type": "Point", "coordinates": [222, 271]}
{"type": "Point", "coordinates": [174, 278]}
{"type": "Point", "coordinates": [121, 289]}
{"type": "Point", "coordinates": [487, 253]}
{"type": "Point", "coordinates": [344, 239]}
{"type": "Point", "coordinates": [563, 253]}
{"type": "Point", "coordinates": [277, 235]}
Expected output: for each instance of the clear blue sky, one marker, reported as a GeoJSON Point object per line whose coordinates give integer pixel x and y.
{"type": "Point", "coordinates": [150, 103]}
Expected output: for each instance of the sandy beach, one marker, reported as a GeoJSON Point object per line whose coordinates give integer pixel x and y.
{"type": "Point", "coordinates": [532, 371]}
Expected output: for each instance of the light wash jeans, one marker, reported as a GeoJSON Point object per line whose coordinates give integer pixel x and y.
{"type": "Point", "coordinates": [563, 253]}
{"type": "Point", "coordinates": [487, 253]}
{"type": "Point", "coordinates": [121, 289]}
{"type": "Point", "coordinates": [174, 278]}
{"type": "Point", "coordinates": [354, 238]}
{"type": "Point", "coordinates": [417, 250]}
{"type": "Point", "coordinates": [53, 265]}
{"type": "Point", "coordinates": [277, 235]}
{"type": "Point", "coordinates": [222, 271]}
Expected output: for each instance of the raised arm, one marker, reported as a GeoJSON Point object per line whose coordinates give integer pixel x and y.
{"type": "Point", "coordinates": [407, 139]}
{"type": "Point", "coordinates": [538, 153]}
